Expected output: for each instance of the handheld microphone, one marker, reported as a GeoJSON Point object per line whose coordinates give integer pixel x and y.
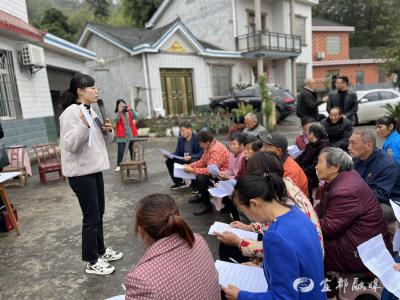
{"type": "Point", "coordinates": [100, 103]}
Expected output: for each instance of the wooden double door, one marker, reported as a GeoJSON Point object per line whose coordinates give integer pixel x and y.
{"type": "Point", "coordinates": [177, 91]}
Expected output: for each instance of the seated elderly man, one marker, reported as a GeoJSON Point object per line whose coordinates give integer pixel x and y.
{"type": "Point", "coordinates": [348, 212]}
{"type": "Point", "coordinates": [252, 126]}
{"type": "Point", "coordinates": [215, 153]}
{"type": "Point", "coordinates": [338, 128]}
{"type": "Point", "coordinates": [379, 170]}
{"type": "Point", "coordinates": [187, 147]}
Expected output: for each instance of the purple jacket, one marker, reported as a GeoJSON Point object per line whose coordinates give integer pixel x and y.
{"type": "Point", "coordinates": [349, 215]}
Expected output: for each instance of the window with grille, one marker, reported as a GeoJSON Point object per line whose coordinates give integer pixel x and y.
{"type": "Point", "coordinates": [10, 107]}
{"type": "Point", "coordinates": [251, 22]}
{"type": "Point", "coordinates": [300, 75]}
{"type": "Point", "coordinates": [382, 76]}
{"type": "Point", "coordinates": [222, 83]}
{"type": "Point", "coordinates": [333, 45]}
{"type": "Point", "coordinates": [360, 77]}
{"type": "Point", "coordinates": [300, 28]}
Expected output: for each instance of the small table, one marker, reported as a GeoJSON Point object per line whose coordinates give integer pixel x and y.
{"type": "Point", "coordinates": [4, 196]}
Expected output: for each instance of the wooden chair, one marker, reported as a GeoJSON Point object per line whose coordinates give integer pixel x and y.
{"type": "Point", "coordinates": [48, 161]}
{"type": "Point", "coordinates": [17, 156]}
{"type": "Point", "coordinates": [137, 164]}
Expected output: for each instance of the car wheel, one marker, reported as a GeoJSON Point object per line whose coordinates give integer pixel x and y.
{"type": "Point", "coordinates": [355, 120]}
{"type": "Point", "coordinates": [278, 115]}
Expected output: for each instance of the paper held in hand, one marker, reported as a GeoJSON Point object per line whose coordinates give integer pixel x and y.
{"type": "Point", "coordinates": [180, 173]}
{"type": "Point", "coordinates": [170, 155]}
{"type": "Point", "coordinates": [223, 188]}
{"type": "Point", "coordinates": [220, 227]}
{"type": "Point", "coordinates": [293, 151]}
{"type": "Point", "coordinates": [246, 278]}
{"type": "Point", "coordinates": [213, 169]}
{"type": "Point", "coordinates": [378, 260]}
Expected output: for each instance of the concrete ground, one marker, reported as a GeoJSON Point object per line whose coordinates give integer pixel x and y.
{"type": "Point", "coordinates": [44, 262]}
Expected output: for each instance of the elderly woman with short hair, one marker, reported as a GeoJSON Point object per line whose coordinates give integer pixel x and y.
{"type": "Point", "coordinates": [348, 212]}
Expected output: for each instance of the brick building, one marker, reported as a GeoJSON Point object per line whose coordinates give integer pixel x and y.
{"type": "Point", "coordinates": [332, 56]}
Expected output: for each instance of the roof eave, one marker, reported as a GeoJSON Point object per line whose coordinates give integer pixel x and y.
{"type": "Point", "coordinates": [68, 47]}
{"type": "Point", "coordinates": [333, 28]}
{"type": "Point", "coordinates": [160, 10]}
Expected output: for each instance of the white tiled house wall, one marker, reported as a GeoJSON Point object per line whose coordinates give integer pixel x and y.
{"type": "Point", "coordinates": [16, 8]}
{"type": "Point", "coordinates": [200, 76]}
{"type": "Point", "coordinates": [34, 93]}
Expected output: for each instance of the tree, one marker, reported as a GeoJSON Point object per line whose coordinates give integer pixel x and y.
{"type": "Point", "coordinates": [139, 11]}
{"type": "Point", "coordinates": [373, 20]}
{"type": "Point", "coordinates": [55, 22]}
{"type": "Point", "coordinates": [392, 55]}
{"type": "Point", "coordinates": [101, 9]}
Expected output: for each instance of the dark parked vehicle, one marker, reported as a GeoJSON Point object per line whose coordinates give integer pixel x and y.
{"type": "Point", "coordinates": [285, 102]}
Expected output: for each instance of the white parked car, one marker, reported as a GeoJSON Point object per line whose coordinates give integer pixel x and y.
{"type": "Point", "coordinates": [371, 104]}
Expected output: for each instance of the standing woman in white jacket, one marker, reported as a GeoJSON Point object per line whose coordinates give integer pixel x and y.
{"type": "Point", "coordinates": [84, 156]}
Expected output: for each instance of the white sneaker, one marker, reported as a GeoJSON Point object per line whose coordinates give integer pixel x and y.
{"type": "Point", "coordinates": [101, 267]}
{"type": "Point", "coordinates": [111, 255]}
{"type": "Point", "coordinates": [117, 169]}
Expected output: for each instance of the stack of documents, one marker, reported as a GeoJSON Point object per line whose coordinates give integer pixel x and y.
{"type": "Point", "coordinates": [246, 278]}
{"type": "Point", "coordinates": [180, 173]}
{"type": "Point", "coordinates": [219, 227]}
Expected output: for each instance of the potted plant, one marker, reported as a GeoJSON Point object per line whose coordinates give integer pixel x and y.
{"type": "Point", "coordinates": [394, 111]}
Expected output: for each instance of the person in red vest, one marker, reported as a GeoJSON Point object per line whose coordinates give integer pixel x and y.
{"type": "Point", "coordinates": [125, 129]}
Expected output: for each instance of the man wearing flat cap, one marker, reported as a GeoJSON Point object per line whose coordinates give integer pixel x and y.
{"type": "Point", "coordinates": [277, 143]}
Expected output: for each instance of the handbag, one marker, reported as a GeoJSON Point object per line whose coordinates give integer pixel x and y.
{"type": "Point", "coordinates": [4, 161]}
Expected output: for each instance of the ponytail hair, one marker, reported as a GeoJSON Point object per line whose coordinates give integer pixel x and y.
{"type": "Point", "coordinates": [159, 216]}
{"type": "Point", "coordinates": [80, 81]}
{"type": "Point", "coordinates": [267, 186]}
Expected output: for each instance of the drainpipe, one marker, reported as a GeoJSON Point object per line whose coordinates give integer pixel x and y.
{"type": "Point", "coordinates": [257, 16]}
{"type": "Point", "coordinates": [147, 85]}
{"type": "Point", "coordinates": [234, 18]}
{"type": "Point", "coordinates": [293, 59]}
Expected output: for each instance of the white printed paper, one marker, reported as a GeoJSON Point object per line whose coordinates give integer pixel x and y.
{"type": "Point", "coordinates": [213, 169]}
{"type": "Point", "coordinates": [293, 151]}
{"type": "Point", "coordinates": [217, 192]}
{"type": "Point", "coordinates": [119, 297]}
{"type": "Point", "coordinates": [246, 278]}
{"type": "Point", "coordinates": [396, 209]}
{"type": "Point", "coordinates": [180, 173]}
{"type": "Point", "coordinates": [223, 188]}
{"type": "Point", "coordinates": [220, 227]}
{"type": "Point", "coordinates": [378, 260]}
{"type": "Point", "coordinates": [170, 155]}
{"type": "Point", "coordinates": [396, 241]}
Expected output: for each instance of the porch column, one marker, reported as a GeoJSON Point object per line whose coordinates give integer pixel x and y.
{"type": "Point", "coordinates": [257, 16]}
{"type": "Point", "coordinates": [293, 59]}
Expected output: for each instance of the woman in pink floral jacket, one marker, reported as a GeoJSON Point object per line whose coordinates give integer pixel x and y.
{"type": "Point", "coordinates": [177, 263]}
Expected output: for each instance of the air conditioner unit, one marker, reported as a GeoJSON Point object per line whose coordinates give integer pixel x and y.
{"type": "Point", "coordinates": [32, 55]}
{"type": "Point", "coordinates": [320, 55]}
